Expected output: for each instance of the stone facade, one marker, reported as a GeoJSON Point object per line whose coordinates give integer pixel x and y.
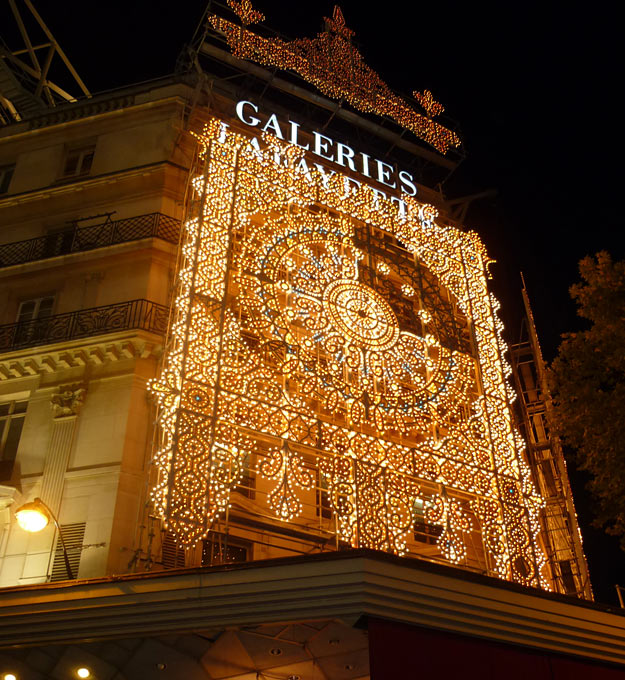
{"type": "Point", "coordinates": [82, 367]}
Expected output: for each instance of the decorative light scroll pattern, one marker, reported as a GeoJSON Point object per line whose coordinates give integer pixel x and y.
{"type": "Point", "coordinates": [448, 514]}
{"type": "Point", "coordinates": [381, 367]}
{"type": "Point", "coordinates": [287, 468]}
{"type": "Point", "coordinates": [332, 64]}
{"type": "Point", "coordinates": [373, 504]}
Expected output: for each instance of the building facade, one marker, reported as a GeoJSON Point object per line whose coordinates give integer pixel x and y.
{"type": "Point", "coordinates": [90, 227]}
{"type": "Point", "coordinates": [244, 342]}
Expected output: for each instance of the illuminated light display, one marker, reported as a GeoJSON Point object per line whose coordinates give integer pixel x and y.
{"type": "Point", "coordinates": [327, 149]}
{"type": "Point", "coordinates": [427, 101]}
{"type": "Point", "coordinates": [288, 469]}
{"type": "Point", "coordinates": [332, 64]}
{"type": "Point", "coordinates": [246, 12]}
{"type": "Point", "coordinates": [331, 336]}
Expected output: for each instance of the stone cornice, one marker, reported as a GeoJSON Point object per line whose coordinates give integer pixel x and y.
{"type": "Point", "coordinates": [102, 107]}
{"type": "Point", "coordinates": [332, 585]}
{"type": "Point", "coordinates": [84, 184]}
{"type": "Point", "coordinates": [160, 251]}
{"type": "Point", "coordinates": [114, 347]}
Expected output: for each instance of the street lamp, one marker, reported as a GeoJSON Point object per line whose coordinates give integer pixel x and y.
{"type": "Point", "coordinates": [34, 517]}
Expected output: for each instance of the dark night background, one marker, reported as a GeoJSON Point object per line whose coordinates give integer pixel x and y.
{"type": "Point", "coordinates": [535, 88]}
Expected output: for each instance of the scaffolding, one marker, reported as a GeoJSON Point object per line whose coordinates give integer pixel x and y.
{"type": "Point", "coordinates": [562, 538]}
{"type": "Point", "coordinates": [26, 87]}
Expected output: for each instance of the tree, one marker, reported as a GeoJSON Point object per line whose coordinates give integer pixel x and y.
{"type": "Point", "coordinates": [588, 382]}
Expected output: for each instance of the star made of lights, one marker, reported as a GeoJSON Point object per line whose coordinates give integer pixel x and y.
{"type": "Point", "coordinates": [331, 63]}
{"type": "Point", "coordinates": [427, 101]}
{"type": "Point", "coordinates": [337, 24]}
{"type": "Point", "coordinates": [246, 12]}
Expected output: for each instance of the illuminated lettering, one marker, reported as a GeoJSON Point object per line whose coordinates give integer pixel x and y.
{"type": "Point", "coordinates": [365, 164]}
{"type": "Point", "coordinates": [272, 124]}
{"type": "Point", "coordinates": [384, 174]}
{"type": "Point", "coordinates": [377, 195]}
{"type": "Point", "coordinates": [406, 179]}
{"type": "Point", "coordinates": [293, 138]}
{"type": "Point", "coordinates": [302, 167]}
{"type": "Point", "coordinates": [321, 145]}
{"type": "Point", "coordinates": [351, 185]}
{"type": "Point", "coordinates": [345, 153]}
{"type": "Point", "coordinates": [325, 175]}
{"type": "Point", "coordinates": [254, 146]}
{"type": "Point", "coordinates": [252, 120]}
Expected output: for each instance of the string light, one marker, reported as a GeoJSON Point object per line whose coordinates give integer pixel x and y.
{"type": "Point", "coordinates": [334, 66]}
{"type": "Point", "coordinates": [246, 13]}
{"type": "Point", "coordinates": [427, 101]}
{"type": "Point", "coordinates": [387, 364]}
{"type": "Point", "coordinates": [287, 468]}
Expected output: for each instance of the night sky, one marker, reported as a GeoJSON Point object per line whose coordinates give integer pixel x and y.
{"type": "Point", "coordinates": [533, 87]}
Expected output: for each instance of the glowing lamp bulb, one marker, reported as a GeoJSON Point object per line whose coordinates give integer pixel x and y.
{"type": "Point", "coordinates": [33, 516]}
{"type": "Point", "coordinates": [83, 673]}
{"type": "Point", "coordinates": [9, 676]}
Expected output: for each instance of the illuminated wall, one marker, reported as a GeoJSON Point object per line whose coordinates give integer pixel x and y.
{"type": "Point", "coordinates": [321, 333]}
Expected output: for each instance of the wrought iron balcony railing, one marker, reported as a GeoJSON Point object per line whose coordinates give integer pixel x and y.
{"type": "Point", "coordinates": [131, 315]}
{"type": "Point", "coordinates": [80, 239]}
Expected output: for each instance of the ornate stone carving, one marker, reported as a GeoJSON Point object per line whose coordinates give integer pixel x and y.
{"type": "Point", "coordinates": [68, 400]}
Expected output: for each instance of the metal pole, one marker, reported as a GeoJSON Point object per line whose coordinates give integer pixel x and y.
{"type": "Point", "coordinates": [619, 592]}
{"type": "Point", "coordinates": [68, 568]}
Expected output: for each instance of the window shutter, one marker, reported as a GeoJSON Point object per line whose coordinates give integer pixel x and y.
{"type": "Point", "coordinates": [173, 555]}
{"type": "Point", "coordinates": [73, 535]}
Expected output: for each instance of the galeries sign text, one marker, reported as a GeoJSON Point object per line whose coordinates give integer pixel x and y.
{"type": "Point", "coordinates": [329, 150]}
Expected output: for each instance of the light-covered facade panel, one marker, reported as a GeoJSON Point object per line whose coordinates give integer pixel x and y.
{"type": "Point", "coordinates": [342, 350]}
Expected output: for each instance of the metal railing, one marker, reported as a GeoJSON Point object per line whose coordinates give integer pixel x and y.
{"type": "Point", "coordinates": [134, 314]}
{"type": "Point", "coordinates": [80, 239]}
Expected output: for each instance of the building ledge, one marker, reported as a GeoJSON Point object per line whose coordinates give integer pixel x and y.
{"type": "Point", "coordinates": [110, 348]}
{"type": "Point", "coordinates": [345, 585]}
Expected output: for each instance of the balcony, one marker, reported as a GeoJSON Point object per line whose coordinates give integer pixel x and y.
{"type": "Point", "coordinates": [132, 315]}
{"type": "Point", "coordinates": [81, 239]}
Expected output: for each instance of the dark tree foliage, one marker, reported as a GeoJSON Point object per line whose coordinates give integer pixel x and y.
{"type": "Point", "coordinates": [588, 381]}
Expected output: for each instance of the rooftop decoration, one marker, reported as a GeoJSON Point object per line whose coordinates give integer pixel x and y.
{"type": "Point", "coordinates": [332, 64]}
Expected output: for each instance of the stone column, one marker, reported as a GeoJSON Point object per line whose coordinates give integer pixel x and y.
{"type": "Point", "coordinates": [66, 404]}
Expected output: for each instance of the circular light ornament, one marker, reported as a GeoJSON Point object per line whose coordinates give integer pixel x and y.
{"type": "Point", "coordinates": [33, 517]}
{"type": "Point", "coordinates": [83, 672]}
{"type": "Point", "coordinates": [361, 314]}
{"type": "Point", "coordinates": [351, 331]}
{"type": "Point", "coordinates": [9, 676]}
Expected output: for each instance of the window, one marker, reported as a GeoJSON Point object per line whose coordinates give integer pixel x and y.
{"type": "Point", "coordinates": [12, 415]}
{"type": "Point", "coordinates": [32, 317]}
{"type": "Point", "coordinates": [73, 535]}
{"type": "Point", "coordinates": [172, 554]}
{"type": "Point", "coordinates": [6, 174]}
{"type": "Point", "coordinates": [78, 161]}
{"type": "Point", "coordinates": [568, 579]}
{"type": "Point", "coordinates": [37, 308]}
{"type": "Point", "coordinates": [423, 531]}
{"type": "Point", "coordinates": [247, 484]}
{"type": "Point", "coordinates": [324, 508]}
{"type": "Point", "coordinates": [57, 242]}
{"type": "Point", "coordinates": [221, 549]}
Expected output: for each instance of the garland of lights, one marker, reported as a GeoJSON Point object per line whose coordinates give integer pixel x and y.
{"type": "Point", "coordinates": [334, 66]}
{"type": "Point", "coordinates": [290, 329]}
